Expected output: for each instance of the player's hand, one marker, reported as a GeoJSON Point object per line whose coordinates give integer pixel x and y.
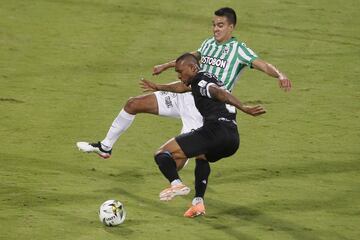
{"type": "Point", "coordinates": [253, 110]}
{"type": "Point", "coordinates": [147, 85]}
{"type": "Point", "coordinates": [285, 83]}
{"type": "Point", "coordinates": [159, 69]}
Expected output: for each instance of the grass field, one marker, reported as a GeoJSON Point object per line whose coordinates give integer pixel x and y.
{"type": "Point", "coordinates": [68, 66]}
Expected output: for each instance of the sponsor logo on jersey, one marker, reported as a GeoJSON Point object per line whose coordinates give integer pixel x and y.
{"type": "Point", "coordinates": [213, 61]}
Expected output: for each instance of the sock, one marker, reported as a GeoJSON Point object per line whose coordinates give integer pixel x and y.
{"type": "Point", "coordinates": [197, 200]}
{"type": "Point", "coordinates": [176, 182]}
{"type": "Point", "coordinates": [167, 166]}
{"type": "Point", "coordinates": [202, 172]}
{"type": "Point", "coordinates": [119, 125]}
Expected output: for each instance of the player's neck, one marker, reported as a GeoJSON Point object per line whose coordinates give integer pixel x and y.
{"type": "Point", "coordinates": [226, 40]}
{"type": "Point", "coordinates": [193, 77]}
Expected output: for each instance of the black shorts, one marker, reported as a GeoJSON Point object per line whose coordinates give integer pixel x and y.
{"type": "Point", "coordinates": [216, 139]}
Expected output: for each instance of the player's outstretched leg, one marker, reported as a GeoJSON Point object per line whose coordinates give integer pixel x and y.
{"type": "Point", "coordinates": [141, 104]}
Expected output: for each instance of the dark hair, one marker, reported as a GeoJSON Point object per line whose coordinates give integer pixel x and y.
{"type": "Point", "coordinates": [188, 57]}
{"type": "Point", "coordinates": [229, 13]}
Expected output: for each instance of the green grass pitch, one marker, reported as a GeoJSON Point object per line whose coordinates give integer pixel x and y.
{"type": "Point", "coordinates": [68, 66]}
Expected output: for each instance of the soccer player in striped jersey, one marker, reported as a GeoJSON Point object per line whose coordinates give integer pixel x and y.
{"type": "Point", "coordinates": [221, 54]}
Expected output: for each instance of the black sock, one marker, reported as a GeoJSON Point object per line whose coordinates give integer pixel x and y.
{"type": "Point", "coordinates": [202, 172]}
{"type": "Point", "coordinates": [167, 166]}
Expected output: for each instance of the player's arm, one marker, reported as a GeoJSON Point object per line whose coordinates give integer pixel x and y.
{"type": "Point", "coordinates": [177, 86]}
{"type": "Point", "coordinates": [226, 97]}
{"type": "Point", "coordinates": [162, 67]}
{"type": "Point", "coordinates": [272, 71]}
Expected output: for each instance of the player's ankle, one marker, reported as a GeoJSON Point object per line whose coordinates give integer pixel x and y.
{"type": "Point", "coordinates": [176, 182]}
{"type": "Point", "coordinates": [197, 200]}
{"type": "Point", "coordinates": [105, 147]}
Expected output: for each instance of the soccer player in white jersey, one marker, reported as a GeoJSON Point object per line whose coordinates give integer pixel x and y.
{"type": "Point", "coordinates": [221, 54]}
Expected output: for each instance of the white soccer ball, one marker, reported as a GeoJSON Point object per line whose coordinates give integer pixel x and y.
{"type": "Point", "coordinates": [112, 213]}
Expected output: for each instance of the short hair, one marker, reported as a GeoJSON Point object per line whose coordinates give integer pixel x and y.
{"type": "Point", "coordinates": [188, 57]}
{"type": "Point", "coordinates": [227, 12]}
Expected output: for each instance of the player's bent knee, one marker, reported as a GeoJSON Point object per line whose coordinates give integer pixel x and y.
{"type": "Point", "coordinates": [141, 104]}
{"type": "Point", "coordinates": [161, 157]}
{"type": "Point", "coordinates": [159, 151]}
{"type": "Point", "coordinates": [132, 105]}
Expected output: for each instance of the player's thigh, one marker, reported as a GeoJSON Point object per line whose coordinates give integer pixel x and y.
{"type": "Point", "coordinates": [142, 104]}
{"type": "Point", "coordinates": [226, 145]}
{"type": "Point", "coordinates": [167, 103]}
{"type": "Point", "coordinates": [195, 142]}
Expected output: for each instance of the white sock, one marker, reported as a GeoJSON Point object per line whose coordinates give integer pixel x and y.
{"type": "Point", "coordinates": [119, 125]}
{"type": "Point", "coordinates": [197, 200]}
{"type": "Point", "coordinates": [176, 182]}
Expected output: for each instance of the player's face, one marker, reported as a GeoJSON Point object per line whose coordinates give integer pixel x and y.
{"type": "Point", "coordinates": [222, 29]}
{"type": "Point", "coordinates": [186, 72]}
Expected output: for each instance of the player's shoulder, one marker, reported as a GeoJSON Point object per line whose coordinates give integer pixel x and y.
{"type": "Point", "coordinates": [205, 74]}
{"type": "Point", "coordinates": [209, 40]}
{"type": "Point", "coordinates": [207, 77]}
{"type": "Point", "coordinates": [239, 43]}
{"type": "Point", "coordinates": [242, 48]}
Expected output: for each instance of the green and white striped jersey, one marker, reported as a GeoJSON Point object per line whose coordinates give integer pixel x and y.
{"type": "Point", "coordinates": [226, 60]}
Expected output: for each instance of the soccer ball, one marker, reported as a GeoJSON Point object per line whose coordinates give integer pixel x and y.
{"type": "Point", "coordinates": [112, 213]}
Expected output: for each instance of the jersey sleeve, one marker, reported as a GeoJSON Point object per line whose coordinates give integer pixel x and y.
{"type": "Point", "coordinates": [202, 86]}
{"type": "Point", "coordinates": [246, 55]}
